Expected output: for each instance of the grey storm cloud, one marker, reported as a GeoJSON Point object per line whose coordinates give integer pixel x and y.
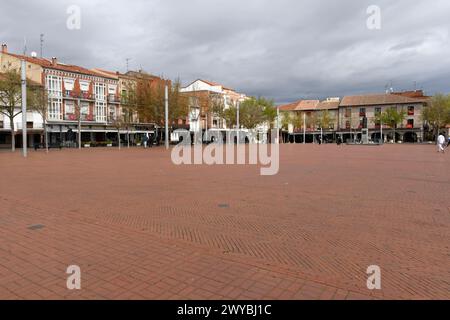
{"type": "Point", "coordinates": [285, 50]}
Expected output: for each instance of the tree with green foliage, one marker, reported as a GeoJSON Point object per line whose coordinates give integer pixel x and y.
{"type": "Point", "coordinates": [437, 113]}
{"type": "Point", "coordinates": [39, 103]}
{"type": "Point", "coordinates": [147, 98]}
{"type": "Point", "coordinates": [270, 112]}
{"type": "Point", "coordinates": [252, 112]}
{"type": "Point", "coordinates": [324, 119]}
{"type": "Point", "coordinates": [297, 121]}
{"type": "Point", "coordinates": [256, 111]}
{"type": "Point", "coordinates": [286, 120]}
{"type": "Point", "coordinates": [11, 99]}
{"type": "Point", "coordinates": [392, 118]}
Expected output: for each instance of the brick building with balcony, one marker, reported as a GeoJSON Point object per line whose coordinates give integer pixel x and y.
{"type": "Point", "coordinates": [77, 97]}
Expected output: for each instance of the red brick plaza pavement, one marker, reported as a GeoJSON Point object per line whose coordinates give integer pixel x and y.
{"type": "Point", "coordinates": [140, 227]}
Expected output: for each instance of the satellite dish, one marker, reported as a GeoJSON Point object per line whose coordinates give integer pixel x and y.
{"type": "Point", "coordinates": [33, 54]}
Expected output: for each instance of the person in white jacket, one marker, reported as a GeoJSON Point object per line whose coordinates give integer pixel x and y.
{"type": "Point", "coordinates": [441, 142]}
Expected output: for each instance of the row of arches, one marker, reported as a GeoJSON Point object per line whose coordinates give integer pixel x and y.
{"type": "Point", "coordinates": [405, 137]}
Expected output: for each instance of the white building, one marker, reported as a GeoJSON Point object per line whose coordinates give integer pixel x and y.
{"type": "Point", "coordinates": [203, 94]}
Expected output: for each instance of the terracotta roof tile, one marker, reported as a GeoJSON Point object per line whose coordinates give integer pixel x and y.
{"type": "Point", "coordinates": [111, 74]}
{"type": "Point", "coordinates": [45, 63]}
{"type": "Point", "coordinates": [328, 105]}
{"type": "Point", "coordinates": [379, 99]}
{"type": "Point", "coordinates": [300, 105]}
{"type": "Point", "coordinates": [215, 84]}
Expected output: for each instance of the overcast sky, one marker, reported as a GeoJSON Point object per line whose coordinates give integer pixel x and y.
{"type": "Point", "coordinates": [285, 50]}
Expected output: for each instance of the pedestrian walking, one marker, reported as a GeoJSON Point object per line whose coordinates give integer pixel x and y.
{"type": "Point", "coordinates": [339, 140]}
{"type": "Point", "coordinates": [440, 143]}
{"type": "Point", "coordinates": [145, 139]}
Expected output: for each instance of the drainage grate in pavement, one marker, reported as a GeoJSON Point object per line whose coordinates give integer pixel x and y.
{"type": "Point", "coordinates": [36, 227]}
{"type": "Point", "coordinates": [224, 205]}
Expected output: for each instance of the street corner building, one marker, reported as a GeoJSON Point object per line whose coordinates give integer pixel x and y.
{"type": "Point", "coordinates": [80, 101]}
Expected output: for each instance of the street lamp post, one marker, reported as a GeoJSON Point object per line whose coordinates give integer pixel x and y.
{"type": "Point", "coordinates": [381, 132]}
{"type": "Point", "coordinates": [304, 128]}
{"type": "Point", "coordinates": [237, 121]}
{"type": "Point", "coordinates": [167, 116]}
{"type": "Point", "coordinates": [24, 108]}
{"type": "Point", "coordinates": [278, 125]}
{"type": "Point", "coordinates": [79, 123]}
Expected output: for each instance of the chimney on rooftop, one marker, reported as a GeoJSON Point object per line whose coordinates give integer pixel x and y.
{"type": "Point", "coordinates": [4, 48]}
{"type": "Point", "coordinates": [54, 61]}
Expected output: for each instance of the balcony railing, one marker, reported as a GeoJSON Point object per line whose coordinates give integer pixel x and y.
{"type": "Point", "coordinates": [87, 96]}
{"type": "Point", "coordinates": [70, 117]}
{"type": "Point", "coordinates": [74, 117]}
{"type": "Point", "coordinates": [70, 95]}
{"type": "Point", "coordinates": [112, 98]}
{"type": "Point", "coordinates": [87, 117]}
{"type": "Point", "coordinates": [82, 96]}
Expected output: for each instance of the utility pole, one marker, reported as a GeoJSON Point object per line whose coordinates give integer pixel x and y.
{"type": "Point", "coordinates": [24, 108]}
{"type": "Point", "coordinates": [351, 125]}
{"type": "Point", "coordinates": [79, 123]}
{"type": "Point", "coordinates": [167, 115]}
{"type": "Point", "coordinates": [381, 132]}
{"type": "Point", "coordinates": [128, 61]}
{"type": "Point", "coordinates": [304, 128]}
{"type": "Point", "coordinates": [42, 44]}
{"type": "Point", "coordinates": [278, 125]}
{"type": "Point", "coordinates": [206, 127]}
{"type": "Point", "coordinates": [237, 120]}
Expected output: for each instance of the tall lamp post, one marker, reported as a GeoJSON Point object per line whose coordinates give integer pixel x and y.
{"type": "Point", "coordinates": [381, 132]}
{"type": "Point", "coordinates": [304, 128]}
{"type": "Point", "coordinates": [167, 115]}
{"type": "Point", "coordinates": [24, 108]}
{"type": "Point", "coordinates": [278, 125]}
{"type": "Point", "coordinates": [79, 123]}
{"type": "Point", "coordinates": [237, 121]}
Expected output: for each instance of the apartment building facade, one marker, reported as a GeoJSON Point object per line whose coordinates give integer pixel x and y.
{"type": "Point", "coordinates": [94, 95]}
{"type": "Point", "coordinates": [203, 95]}
{"type": "Point", "coordinates": [305, 124]}
{"type": "Point", "coordinates": [349, 116]}
{"type": "Point", "coordinates": [360, 112]}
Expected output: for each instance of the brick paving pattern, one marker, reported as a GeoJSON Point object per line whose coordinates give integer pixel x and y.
{"type": "Point", "coordinates": [142, 228]}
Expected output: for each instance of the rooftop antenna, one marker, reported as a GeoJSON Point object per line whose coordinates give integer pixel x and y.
{"type": "Point", "coordinates": [128, 60]}
{"type": "Point", "coordinates": [24, 46]}
{"type": "Point", "coordinates": [42, 44]}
